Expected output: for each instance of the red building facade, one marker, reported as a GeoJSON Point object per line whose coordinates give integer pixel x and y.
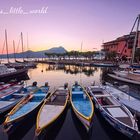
{"type": "Point", "coordinates": [122, 45]}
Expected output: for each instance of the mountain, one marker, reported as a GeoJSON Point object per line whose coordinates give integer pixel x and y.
{"type": "Point", "coordinates": [38, 54]}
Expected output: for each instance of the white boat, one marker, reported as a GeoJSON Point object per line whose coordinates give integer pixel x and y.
{"type": "Point", "coordinates": [129, 73]}
{"type": "Point", "coordinates": [6, 72]}
{"type": "Point", "coordinates": [52, 109]}
{"type": "Point", "coordinates": [116, 114]}
{"type": "Point", "coordinates": [128, 79]}
{"type": "Point", "coordinates": [130, 102]}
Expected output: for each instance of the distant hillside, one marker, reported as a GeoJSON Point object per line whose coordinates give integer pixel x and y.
{"type": "Point", "coordinates": [38, 54]}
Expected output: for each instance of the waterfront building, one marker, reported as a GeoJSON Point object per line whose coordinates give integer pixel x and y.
{"type": "Point", "coordinates": [122, 45]}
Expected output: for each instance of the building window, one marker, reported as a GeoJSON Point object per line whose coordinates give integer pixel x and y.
{"type": "Point", "coordinates": [125, 51]}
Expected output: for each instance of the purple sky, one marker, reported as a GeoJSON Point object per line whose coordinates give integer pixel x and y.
{"type": "Point", "coordinates": [68, 22]}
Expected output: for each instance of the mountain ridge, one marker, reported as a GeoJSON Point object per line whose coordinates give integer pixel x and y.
{"type": "Point", "coordinates": [36, 54]}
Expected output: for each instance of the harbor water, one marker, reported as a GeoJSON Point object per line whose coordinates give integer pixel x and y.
{"type": "Point", "coordinates": [69, 127]}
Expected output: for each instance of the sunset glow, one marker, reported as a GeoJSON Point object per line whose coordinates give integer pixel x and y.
{"type": "Point", "coordinates": [66, 23]}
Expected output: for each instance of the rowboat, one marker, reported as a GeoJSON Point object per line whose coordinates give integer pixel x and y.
{"type": "Point", "coordinates": [116, 114]}
{"type": "Point", "coordinates": [82, 105]}
{"type": "Point", "coordinates": [11, 89]}
{"type": "Point", "coordinates": [4, 86]}
{"type": "Point", "coordinates": [126, 99]}
{"type": "Point", "coordinates": [7, 102]}
{"type": "Point", "coordinates": [25, 108]}
{"type": "Point", "coordinates": [52, 109]}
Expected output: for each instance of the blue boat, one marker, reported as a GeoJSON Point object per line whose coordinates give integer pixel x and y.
{"type": "Point", "coordinates": [11, 89]}
{"type": "Point", "coordinates": [104, 65]}
{"type": "Point", "coordinates": [25, 108]}
{"type": "Point", "coordinates": [82, 105]}
{"type": "Point", "coordinates": [7, 102]}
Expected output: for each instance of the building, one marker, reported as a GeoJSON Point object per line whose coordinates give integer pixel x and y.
{"type": "Point", "coordinates": [122, 45]}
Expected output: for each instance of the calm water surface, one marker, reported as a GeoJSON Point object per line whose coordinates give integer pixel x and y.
{"type": "Point", "coordinates": [69, 127]}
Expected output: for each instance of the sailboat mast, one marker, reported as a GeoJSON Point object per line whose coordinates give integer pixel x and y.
{"type": "Point", "coordinates": [27, 47]}
{"type": "Point", "coordinates": [6, 45]}
{"type": "Point", "coordinates": [14, 50]}
{"type": "Point", "coordinates": [22, 45]}
{"type": "Point", "coordinates": [135, 41]}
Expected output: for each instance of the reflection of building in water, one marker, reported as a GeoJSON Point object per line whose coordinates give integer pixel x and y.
{"type": "Point", "coordinates": [72, 69]}
{"type": "Point", "coordinates": [89, 71]}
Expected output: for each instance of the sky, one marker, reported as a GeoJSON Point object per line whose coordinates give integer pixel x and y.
{"type": "Point", "coordinates": [66, 23]}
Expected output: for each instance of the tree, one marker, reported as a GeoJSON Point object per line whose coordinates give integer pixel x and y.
{"type": "Point", "coordinates": [111, 55]}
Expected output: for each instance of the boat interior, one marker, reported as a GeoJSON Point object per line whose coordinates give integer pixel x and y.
{"type": "Point", "coordinates": [113, 107]}
{"type": "Point", "coordinates": [11, 97]}
{"type": "Point", "coordinates": [53, 106]}
{"type": "Point", "coordinates": [58, 98]}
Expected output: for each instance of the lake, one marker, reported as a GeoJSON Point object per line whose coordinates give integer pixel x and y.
{"type": "Point", "coordinates": [69, 127]}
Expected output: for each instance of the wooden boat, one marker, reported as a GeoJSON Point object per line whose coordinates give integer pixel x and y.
{"type": "Point", "coordinates": [25, 107]}
{"type": "Point", "coordinates": [124, 79]}
{"type": "Point", "coordinates": [9, 101]}
{"type": "Point", "coordinates": [52, 109]}
{"type": "Point", "coordinates": [130, 102]}
{"type": "Point", "coordinates": [116, 114]}
{"type": "Point", "coordinates": [82, 105]}
{"type": "Point", "coordinates": [4, 86]}
{"type": "Point", "coordinates": [10, 90]}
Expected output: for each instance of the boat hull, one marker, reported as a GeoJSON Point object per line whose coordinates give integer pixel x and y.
{"type": "Point", "coordinates": [103, 65]}
{"type": "Point", "coordinates": [5, 110]}
{"type": "Point", "coordinates": [19, 73]}
{"type": "Point", "coordinates": [87, 125]}
{"type": "Point", "coordinates": [124, 79]}
{"type": "Point", "coordinates": [12, 126]}
{"type": "Point", "coordinates": [56, 124]}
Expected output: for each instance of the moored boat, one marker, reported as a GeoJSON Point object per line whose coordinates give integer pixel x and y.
{"type": "Point", "coordinates": [4, 86]}
{"type": "Point", "coordinates": [126, 99]}
{"type": "Point", "coordinates": [116, 114]}
{"type": "Point", "coordinates": [10, 72]}
{"type": "Point", "coordinates": [7, 102]}
{"type": "Point", "coordinates": [52, 109]}
{"type": "Point", "coordinates": [82, 105]}
{"type": "Point", "coordinates": [25, 108]}
{"type": "Point", "coordinates": [125, 79]}
{"type": "Point", "coordinates": [104, 65]}
{"type": "Point", "coordinates": [11, 89]}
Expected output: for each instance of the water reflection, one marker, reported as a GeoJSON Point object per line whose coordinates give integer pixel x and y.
{"type": "Point", "coordinates": [58, 75]}
{"type": "Point", "coordinates": [71, 69]}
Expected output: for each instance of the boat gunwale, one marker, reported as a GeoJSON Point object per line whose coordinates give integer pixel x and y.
{"type": "Point", "coordinates": [8, 120]}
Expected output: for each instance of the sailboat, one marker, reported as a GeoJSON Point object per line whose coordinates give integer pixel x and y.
{"type": "Point", "coordinates": [9, 73]}
{"type": "Point", "coordinates": [25, 63]}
